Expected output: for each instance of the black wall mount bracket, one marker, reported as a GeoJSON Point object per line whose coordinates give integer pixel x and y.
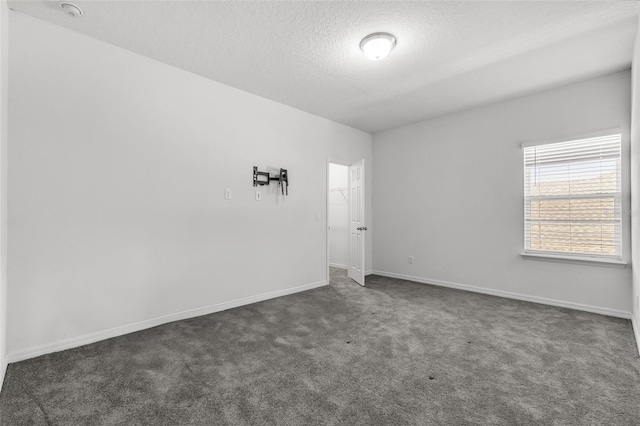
{"type": "Point", "coordinates": [263, 178]}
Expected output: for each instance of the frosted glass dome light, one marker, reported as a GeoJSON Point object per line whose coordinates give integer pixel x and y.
{"type": "Point", "coordinates": [377, 46]}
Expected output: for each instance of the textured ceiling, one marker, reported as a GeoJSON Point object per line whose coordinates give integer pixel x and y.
{"type": "Point", "coordinates": [450, 55]}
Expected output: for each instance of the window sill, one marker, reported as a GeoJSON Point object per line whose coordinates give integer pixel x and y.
{"type": "Point", "coordinates": [580, 260]}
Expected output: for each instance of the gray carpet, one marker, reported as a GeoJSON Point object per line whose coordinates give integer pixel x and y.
{"type": "Point", "coordinates": [393, 353]}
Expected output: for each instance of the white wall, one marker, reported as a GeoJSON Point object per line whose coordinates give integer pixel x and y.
{"type": "Point", "coordinates": [4, 115]}
{"type": "Point", "coordinates": [117, 216]}
{"type": "Point", "coordinates": [635, 185]}
{"type": "Point", "coordinates": [449, 191]}
{"type": "Point", "coordinates": [338, 215]}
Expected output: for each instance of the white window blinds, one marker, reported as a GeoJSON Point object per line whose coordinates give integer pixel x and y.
{"type": "Point", "coordinates": [572, 202]}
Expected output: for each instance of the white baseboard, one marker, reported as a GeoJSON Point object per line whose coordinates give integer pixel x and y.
{"type": "Point", "coordinates": [86, 339]}
{"type": "Point", "coordinates": [338, 265]}
{"type": "Point", "coordinates": [500, 293]}
{"type": "Point", "coordinates": [636, 332]}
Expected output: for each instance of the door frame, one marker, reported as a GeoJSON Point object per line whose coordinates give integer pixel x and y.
{"type": "Point", "coordinates": [342, 162]}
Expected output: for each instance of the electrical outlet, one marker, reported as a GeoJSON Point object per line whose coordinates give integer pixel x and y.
{"type": "Point", "coordinates": [258, 196]}
{"type": "Point", "coordinates": [227, 194]}
{"type": "Point", "coordinates": [411, 260]}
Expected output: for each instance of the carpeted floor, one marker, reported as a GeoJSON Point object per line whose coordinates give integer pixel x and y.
{"type": "Point", "coordinates": [392, 353]}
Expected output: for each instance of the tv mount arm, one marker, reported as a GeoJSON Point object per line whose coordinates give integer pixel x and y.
{"type": "Point", "coordinates": [263, 178]}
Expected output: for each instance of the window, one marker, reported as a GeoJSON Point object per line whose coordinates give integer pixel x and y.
{"type": "Point", "coordinates": [572, 198]}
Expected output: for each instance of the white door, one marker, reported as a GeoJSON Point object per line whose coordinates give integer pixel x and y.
{"type": "Point", "coordinates": [357, 226]}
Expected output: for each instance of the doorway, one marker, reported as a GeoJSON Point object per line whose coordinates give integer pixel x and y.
{"type": "Point", "coordinates": [338, 218]}
{"type": "Point", "coordinates": [345, 220]}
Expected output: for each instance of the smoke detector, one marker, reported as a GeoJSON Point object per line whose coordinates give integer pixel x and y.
{"type": "Point", "coordinates": [71, 9]}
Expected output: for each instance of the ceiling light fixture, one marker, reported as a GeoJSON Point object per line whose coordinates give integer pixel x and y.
{"type": "Point", "coordinates": [71, 9]}
{"type": "Point", "coordinates": [377, 46]}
